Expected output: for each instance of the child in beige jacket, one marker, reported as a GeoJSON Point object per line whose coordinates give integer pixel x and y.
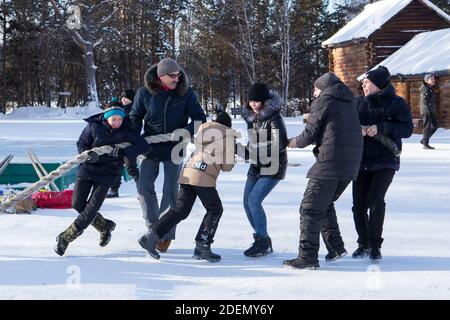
{"type": "Point", "coordinates": [214, 151]}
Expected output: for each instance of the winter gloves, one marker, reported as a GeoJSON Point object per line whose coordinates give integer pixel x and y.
{"type": "Point", "coordinates": [115, 152]}
{"type": "Point", "coordinates": [93, 157]}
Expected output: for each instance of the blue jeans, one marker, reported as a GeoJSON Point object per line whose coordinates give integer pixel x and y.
{"type": "Point", "coordinates": [148, 200]}
{"type": "Point", "coordinates": [254, 194]}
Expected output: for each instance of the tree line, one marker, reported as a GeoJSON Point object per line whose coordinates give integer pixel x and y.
{"type": "Point", "coordinates": [70, 53]}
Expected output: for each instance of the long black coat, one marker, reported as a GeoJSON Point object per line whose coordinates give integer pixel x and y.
{"type": "Point", "coordinates": [269, 127]}
{"type": "Point", "coordinates": [333, 125]}
{"type": "Point", "coordinates": [163, 112]}
{"type": "Point", "coordinates": [393, 118]}
{"type": "Point", "coordinates": [427, 100]}
{"type": "Point", "coordinates": [99, 133]}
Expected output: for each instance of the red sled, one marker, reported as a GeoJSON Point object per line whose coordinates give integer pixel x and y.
{"type": "Point", "coordinates": [53, 199]}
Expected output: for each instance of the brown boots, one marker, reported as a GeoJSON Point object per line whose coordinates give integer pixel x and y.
{"type": "Point", "coordinates": [163, 245]}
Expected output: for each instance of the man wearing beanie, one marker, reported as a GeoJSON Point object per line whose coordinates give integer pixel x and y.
{"type": "Point", "coordinates": [166, 103]}
{"type": "Point", "coordinates": [380, 111]}
{"type": "Point", "coordinates": [333, 126]}
{"type": "Point", "coordinates": [214, 152]}
{"type": "Point", "coordinates": [428, 110]}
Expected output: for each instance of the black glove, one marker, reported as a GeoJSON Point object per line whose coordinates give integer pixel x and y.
{"type": "Point", "coordinates": [93, 157]}
{"type": "Point", "coordinates": [117, 152]}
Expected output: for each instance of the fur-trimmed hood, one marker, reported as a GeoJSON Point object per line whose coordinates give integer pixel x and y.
{"type": "Point", "coordinates": [153, 84]}
{"type": "Point", "coordinates": [269, 109]}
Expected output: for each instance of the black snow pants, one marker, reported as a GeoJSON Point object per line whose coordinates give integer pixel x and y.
{"type": "Point", "coordinates": [87, 199]}
{"type": "Point", "coordinates": [318, 215]}
{"type": "Point", "coordinates": [185, 201]}
{"type": "Point", "coordinates": [369, 191]}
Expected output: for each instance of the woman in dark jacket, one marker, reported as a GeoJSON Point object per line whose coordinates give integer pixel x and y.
{"type": "Point", "coordinates": [267, 152]}
{"type": "Point", "coordinates": [98, 173]}
{"type": "Point", "coordinates": [381, 111]}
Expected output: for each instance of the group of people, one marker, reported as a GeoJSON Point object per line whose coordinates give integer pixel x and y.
{"type": "Point", "coordinates": [345, 130]}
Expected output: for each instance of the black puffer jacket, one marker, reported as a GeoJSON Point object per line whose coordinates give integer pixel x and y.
{"type": "Point", "coordinates": [333, 125]}
{"type": "Point", "coordinates": [165, 111]}
{"type": "Point", "coordinates": [99, 133]}
{"type": "Point", "coordinates": [393, 118]}
{"type": "Point", "coordinates": [270, 123]}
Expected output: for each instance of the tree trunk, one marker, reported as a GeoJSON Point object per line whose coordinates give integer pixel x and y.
{"type": "Point", "coordinates": [89, 71]}
{"type": "Point", "coordinates": [87, 47]}
{"type": "Point", "coordinates": [285, 53]}
{"type": "Point", "coordinates": [3, 106]}
{"type": "Point", "coordinates": [46, 91]}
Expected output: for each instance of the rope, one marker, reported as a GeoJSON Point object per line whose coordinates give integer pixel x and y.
{"type": "Point", "coordinates": [69, 165]}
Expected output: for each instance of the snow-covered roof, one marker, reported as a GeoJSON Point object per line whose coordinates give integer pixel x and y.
{"type": "Point", "coordinates": [426, 52]}
{"type": "Point", "coordinates": [373, 17]}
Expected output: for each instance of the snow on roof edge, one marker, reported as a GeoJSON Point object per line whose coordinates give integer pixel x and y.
{"type": "Point", "coordinates": [341, 37]}
{"type": "Point", "coordinates": [437, 9]}
{"type": "Point", "coordinates": [442, 67]}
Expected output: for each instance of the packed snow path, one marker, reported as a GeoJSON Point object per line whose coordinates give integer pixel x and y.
{"type": "Point", "coordinates": [416, 251]}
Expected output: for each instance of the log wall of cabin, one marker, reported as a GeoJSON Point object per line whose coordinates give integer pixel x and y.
{"type": "Point", "coordinates": [348, 63]}
{"type": "Point", "coordinates": [415, 18]}
{"type": "Point", "coordinates": [444, 102]}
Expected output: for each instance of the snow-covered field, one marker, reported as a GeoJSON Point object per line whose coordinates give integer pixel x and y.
{"type": "Point", "coordinates": [416, 262]}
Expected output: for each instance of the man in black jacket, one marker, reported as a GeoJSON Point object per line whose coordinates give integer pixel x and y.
{"type": "Point", "coordinates": [381, 111]}
{"type": "Point", "coordinates": [333, 126]}
{"type": "Point", "coordinates": [428, 110]}
{"type": "Point", "coordinates": [165, 104]}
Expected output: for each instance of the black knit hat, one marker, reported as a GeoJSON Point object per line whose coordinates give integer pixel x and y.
{"type": "Point", "coordinates": [259, 92]}
{"type": "Point", "coordinates": [115, 102]}
{"type": "Point", "coordinates": [379, 77]}
{"type": "Point", "coordinates": [223, 118]}
{"type": "Point", "coordinates": [326, 80]}
{"type": "Point", "coordinates": [129, 94]}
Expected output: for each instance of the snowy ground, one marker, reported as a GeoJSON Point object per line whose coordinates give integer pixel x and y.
{"type": "Point", "coordinates": [416, 263]}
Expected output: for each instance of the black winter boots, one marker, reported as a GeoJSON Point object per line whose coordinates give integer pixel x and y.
{"type": "Point", "coordinates": [375, 254]}
{"type": "Point", "coordinates": [426, 145]}
{"type": "Point", "coordinates": [361, 252]}
{"type": "Point", "coordinates": [335, 254]}
{"type": "Point", "coordinates": [203, 251]}
{"type": "Point", "coordinates": [261, 247]}
{"type": "Point", "coordinates": [299, 263]}
{"type": "Point", "coordinates": [149, 242]}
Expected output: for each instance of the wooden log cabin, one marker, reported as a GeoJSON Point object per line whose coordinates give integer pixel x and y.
{"type": "Point", "coordinates": [427, 52]}
{"type": "Point", "coordinates": [377, 32]}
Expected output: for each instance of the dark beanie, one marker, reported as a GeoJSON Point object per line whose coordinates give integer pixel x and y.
{"type": "Point", "coordinates": [326, 80]}
{"type": "Point", "coordinates": [129, 94]}
{"type": "Point", "coordinates": [259, 92]}
{"type": "Point", "coordinates": [115, 102]}
{"type": "Point", "coordinates": [223, 118]}
{"type": "Point", "coordinates": [379, 77]}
